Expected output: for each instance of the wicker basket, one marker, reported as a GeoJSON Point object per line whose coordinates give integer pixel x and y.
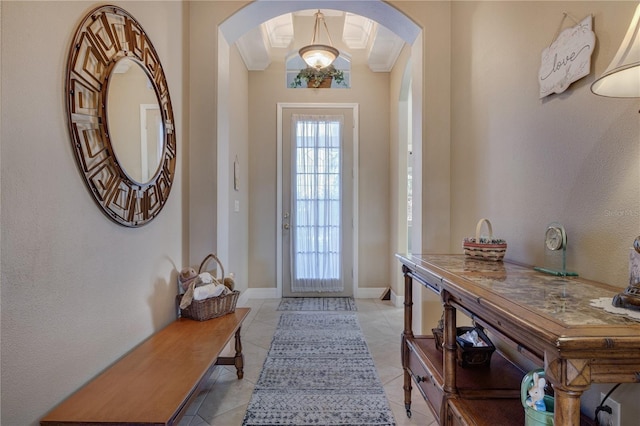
{"type": "Point", "coordinates": [212, 307]}
{"type": "Point", "coordinates": [485, 248]}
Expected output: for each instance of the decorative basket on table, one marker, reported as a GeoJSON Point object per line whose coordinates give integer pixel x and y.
{"type": "Point", "coordinates": [212, 307]}
{"type": "Point", "coordinates": [485, 248]}
{"type": "Point", "coordinates": [467, 354]}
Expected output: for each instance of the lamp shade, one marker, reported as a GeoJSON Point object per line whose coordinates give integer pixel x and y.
{"type": "Point", "coordinates": [622, 78]}
{"type": "Point", "coordinates": [319, 55]}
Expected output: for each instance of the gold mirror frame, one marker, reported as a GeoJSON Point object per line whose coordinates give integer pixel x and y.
{"type": "Point", "coordinates": [105, 35]}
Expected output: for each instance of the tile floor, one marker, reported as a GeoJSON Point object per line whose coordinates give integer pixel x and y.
{"type": "Point", "coordinates": [224, 400]}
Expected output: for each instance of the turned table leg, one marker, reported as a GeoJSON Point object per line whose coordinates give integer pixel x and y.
{"type": "Point", "coordinates": [407, 377]}
{"type": "Point", "coordinates": [450, 346]}
{"type": "Point", "coordinates": [239, 357]}
{"type": "Point", "coordinates": [406, 334]}
{"type": "Point", "coordinates": [567, 407]}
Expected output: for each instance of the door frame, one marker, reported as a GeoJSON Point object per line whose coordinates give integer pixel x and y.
{"type": "Point", "coordinates": [279, 223]}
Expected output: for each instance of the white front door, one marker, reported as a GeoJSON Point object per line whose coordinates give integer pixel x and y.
{"type": "Point", "coordinates": [317, 202]}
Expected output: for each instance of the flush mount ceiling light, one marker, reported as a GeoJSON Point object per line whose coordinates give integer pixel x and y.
{"type": "Point", "coordinates": [622, 78]}
{"type": "Point", "coordinates": [319, 55]}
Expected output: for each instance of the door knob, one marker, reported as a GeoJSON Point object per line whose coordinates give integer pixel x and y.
{"type": "Point", "coordinates": [286, 226]}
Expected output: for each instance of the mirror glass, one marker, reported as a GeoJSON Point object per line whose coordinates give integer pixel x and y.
{"type": "Point", "coordinates": [135, 123]}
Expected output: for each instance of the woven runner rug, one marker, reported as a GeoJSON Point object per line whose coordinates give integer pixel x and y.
{"type": "Point", "coordinates": [317, 304]}
{"type": "Point", "coordinates": [318, 372]}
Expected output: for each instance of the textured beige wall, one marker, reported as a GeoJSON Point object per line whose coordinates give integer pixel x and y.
{"type": "Point", "coordinates": [237, 260]}
{"type": "Point", "coordinates": [204, 19]}
{"type": "Point", "coordinates": [371, 91]}
{"type": "Point", "coordinates": [434, 17]}
{"type": "Point", "coordinates": [78, 290]}
{"type": "Point", "coordinates": [525, 162]}
{"type": "Point", "coordinates": [432, 109]}
{"type": "Point", "coordinates": [1, 217]}
{"type": "Point", "coordinates": [398, 168]}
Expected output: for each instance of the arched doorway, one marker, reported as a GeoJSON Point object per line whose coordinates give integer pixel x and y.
{"type": "Point", "coordinates": [254, 14]}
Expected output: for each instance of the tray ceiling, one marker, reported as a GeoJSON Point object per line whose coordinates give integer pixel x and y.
{"type": "Point", "coordinates": [358, 38]}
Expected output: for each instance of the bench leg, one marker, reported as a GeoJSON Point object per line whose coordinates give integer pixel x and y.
{"type": "Point", "coordinates": [237, 360]}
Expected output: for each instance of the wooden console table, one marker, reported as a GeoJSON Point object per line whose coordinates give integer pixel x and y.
{"type": "Point", "coordinates": [548, 319]}
{"type": "Point", "coordinates": [155, 382]}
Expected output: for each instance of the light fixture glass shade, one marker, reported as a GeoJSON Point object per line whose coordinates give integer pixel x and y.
{"type": "Point", "coordinates": [319, 55]}
{"type": "Point", "coordinates": [622, 78]}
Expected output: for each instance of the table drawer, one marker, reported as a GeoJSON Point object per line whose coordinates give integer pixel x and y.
{"type": "Point", "coordinates": [429, 387]}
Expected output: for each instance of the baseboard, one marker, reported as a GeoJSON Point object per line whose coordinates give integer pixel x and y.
{"type": "Point", "coordinates": [386, 294]}
{"type": "Point", "coordinates": [272, 293]}
{"type": "Point", "coordinates": [258, 293]}
{"type": "Point", "coordinates": [370, 293]}
{"type": "Point", "coordinates": [398, 301]}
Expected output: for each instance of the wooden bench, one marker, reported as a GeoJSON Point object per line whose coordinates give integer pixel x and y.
{"type": "Point", "coordinates": [155, 382]}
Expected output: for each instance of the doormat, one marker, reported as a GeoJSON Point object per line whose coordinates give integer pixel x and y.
{"type": "Point", "coordinates": [318, 371]}
{"type": "Point", "coordinates": [317, 304]}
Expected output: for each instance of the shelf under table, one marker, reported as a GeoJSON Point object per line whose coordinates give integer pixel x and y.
{"type": "Point", "coordinates": [487, 396]}
{"type": "Point", "coordinates": [501, 378]}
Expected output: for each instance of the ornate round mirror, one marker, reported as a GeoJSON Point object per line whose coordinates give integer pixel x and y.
{"type": "Point", "coordinates": [120, 116]}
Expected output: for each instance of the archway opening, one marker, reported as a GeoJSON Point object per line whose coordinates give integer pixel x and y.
{"type": "Point", "coordinates": [258, 12]}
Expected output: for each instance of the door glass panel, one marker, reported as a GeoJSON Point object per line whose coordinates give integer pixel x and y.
{"type": "Point", "coordinates": [316, 203]}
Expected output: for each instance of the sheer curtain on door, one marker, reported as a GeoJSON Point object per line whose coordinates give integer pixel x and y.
{"type": "Point", "coordinates": [316, 204]}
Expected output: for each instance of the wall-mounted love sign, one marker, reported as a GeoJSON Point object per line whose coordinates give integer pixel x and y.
{"type": "Point", "coordinates": [567, 59]}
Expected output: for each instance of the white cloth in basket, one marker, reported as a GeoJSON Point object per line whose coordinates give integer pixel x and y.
{"type": "Point", "coordinates": [207, 291]}
{"type": "Point", "coordinates": [204, 278]}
